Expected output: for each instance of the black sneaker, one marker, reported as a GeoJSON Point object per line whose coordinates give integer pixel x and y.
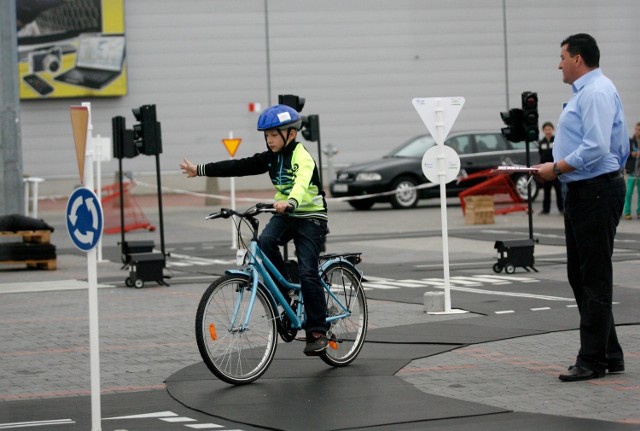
{"type": "Point", "coordinates": [316, 344]}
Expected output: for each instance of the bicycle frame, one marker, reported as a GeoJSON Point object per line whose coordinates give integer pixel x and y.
{"type": "Point", "coordinates": [258, 267]}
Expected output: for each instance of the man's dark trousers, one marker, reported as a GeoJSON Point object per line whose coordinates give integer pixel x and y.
{"type": "Point", "coordinates": [592, 212]}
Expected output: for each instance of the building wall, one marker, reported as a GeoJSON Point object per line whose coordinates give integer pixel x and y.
{"type": "Point", "coordinates": [358, 63]}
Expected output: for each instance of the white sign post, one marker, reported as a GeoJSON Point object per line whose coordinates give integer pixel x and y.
{"type": "Point", "coordinates": [84, 219]}
{"type": "Point", "coordinates": [439, 114]}
{"type": "Point", "coordinates": [232, 144]}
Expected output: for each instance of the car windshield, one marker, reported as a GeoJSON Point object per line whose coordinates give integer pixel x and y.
{"type": "Point", "coordinates": [416, 147]}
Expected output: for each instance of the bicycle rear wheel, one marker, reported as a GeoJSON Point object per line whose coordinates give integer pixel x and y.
{"type": "Point", "coordinates": [235, 353]}
{"type": "Point", "coordinates": [346, 335]}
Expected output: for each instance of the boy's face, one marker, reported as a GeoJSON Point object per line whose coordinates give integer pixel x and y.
{"type": "Point", "coordinates": [275, 141]}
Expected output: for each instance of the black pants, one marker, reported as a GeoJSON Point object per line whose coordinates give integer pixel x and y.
{"type": "Point", "coordinates": [309, 238]}
{"type": "Point", "coordinates": [546, 199]}
{"type": "Point", "coordinates": [592, 212]}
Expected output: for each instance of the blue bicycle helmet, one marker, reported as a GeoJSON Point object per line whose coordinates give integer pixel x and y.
{"type": "Point", "coordinates": [281, 117]}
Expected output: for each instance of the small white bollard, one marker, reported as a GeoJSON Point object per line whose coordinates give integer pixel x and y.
{"type": "Point", "coordinates": [433, 302]}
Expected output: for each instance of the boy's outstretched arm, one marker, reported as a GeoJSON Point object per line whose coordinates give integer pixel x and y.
{"type": "Point", "coordinates": [188, 168]}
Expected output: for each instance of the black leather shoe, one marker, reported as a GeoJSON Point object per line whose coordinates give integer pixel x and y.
{"type": "Point", "coordinates": [577, 373]}
{"type": "Point", "coordinates": [615, 366]}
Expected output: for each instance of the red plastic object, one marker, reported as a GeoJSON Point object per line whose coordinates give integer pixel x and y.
{"type": "Point", "coordinates": [134, 217]}
{"type": "Point", "coordinates": [497, 185]}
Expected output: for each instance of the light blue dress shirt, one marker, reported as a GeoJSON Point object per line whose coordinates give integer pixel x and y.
{"type": "Point", "coordinates": [592, 135]}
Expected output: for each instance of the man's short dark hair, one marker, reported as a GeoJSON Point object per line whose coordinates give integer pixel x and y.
{"type": "Point", "coordinates": [548, 123]}
{"type": "Point", "coordinates": [585, 45]}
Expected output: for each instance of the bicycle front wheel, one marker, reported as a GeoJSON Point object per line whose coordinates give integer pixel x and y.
{"type": "Point", "coordinates": [346, 335]}
{"type": "Point", "coordinates": [236, 350]}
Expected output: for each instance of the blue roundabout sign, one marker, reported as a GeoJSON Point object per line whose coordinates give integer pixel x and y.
{"type": "Point", "coordinates": [84, 219]}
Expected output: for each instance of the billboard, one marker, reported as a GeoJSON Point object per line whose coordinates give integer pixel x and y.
{"type": "Point", "coordinates": [71, 48]}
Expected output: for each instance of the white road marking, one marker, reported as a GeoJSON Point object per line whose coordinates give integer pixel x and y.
{"type": "Point", "coordinates": [13, 425]}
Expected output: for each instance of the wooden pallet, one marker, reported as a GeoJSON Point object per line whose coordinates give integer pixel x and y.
{"type": "Point", "coordinates": [32, 236]}
{"type": "Point", "coordinates": [49, 264]}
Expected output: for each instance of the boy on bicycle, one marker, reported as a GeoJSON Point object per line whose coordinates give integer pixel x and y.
{"type": "Point", "coordinates": [301, 210]}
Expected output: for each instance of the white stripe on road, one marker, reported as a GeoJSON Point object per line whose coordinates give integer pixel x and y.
{"type": "Point", "coordinates": [13, 425]}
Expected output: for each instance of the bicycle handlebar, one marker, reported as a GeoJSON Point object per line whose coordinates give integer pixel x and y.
{"type": "Point", "coordinates": [251, 212]}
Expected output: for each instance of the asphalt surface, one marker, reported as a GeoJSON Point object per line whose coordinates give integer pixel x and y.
{"type": "Point", "coordinates": [499, 360]}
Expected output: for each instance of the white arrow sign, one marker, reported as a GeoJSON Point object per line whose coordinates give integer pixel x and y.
{"type": "Point", "coordinates": [446, 108]}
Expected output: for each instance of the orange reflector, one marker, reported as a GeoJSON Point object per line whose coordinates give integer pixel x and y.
{"type": "Point", "coordinates": [212, 332]}
{"type": "Point", "coordinates": [333, 344]}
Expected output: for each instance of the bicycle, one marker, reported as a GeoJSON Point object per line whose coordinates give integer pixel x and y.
{"type": "Point", "coordinates": [238, 322]}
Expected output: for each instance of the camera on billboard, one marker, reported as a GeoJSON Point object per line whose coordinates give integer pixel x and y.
{"type": "Point", "coordinates": [46, 60]}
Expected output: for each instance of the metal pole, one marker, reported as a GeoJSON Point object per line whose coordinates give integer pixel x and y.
{"type": "Point", "coordinates": [319, 155]}
{"type": "Point", "coordinates": [506, 50]}
{"type": "Point", "coordinates": [11, 188]}
{"type": "Point", "coordinates": [267, 49]}
{"type": "Point", "coordinates": [442, 174]}
{"type": "Point", "coordinates": [94, 335]}
{"type": "Point", "coordinates": [232, 192]}
{"type": "Point", "coordinates": [161, 219]}
{"type": "Point", "coordinates": [529, 204]}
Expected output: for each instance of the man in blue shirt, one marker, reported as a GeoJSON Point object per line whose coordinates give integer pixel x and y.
{"type": "Point", "coordinates": [590, 149]}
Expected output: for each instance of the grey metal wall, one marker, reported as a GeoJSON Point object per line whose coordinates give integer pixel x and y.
{"type": "Point", "coordinates": [358, 63]}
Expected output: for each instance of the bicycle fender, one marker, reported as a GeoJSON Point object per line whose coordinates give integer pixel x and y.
{"type": "Point", "coordinates": [342, 261]}
{"type": "Point", "coordinates": [237, 272]}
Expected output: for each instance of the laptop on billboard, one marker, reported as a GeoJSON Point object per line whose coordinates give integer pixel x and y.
{"type": "Point", "coordinates": [99, 61]}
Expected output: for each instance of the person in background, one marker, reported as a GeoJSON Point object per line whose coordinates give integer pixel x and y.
{"type": "Point", "coordinates": [633, 173]}
{"type": "Point", "coordinates": [589, 152]}
{"type": "Point", "coordinates": [545, 146]}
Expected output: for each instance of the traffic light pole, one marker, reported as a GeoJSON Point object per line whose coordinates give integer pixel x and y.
{"type": "Point", "coordinates": [529, 203]}
{"type": "Point", "coordinates": [161, 218]}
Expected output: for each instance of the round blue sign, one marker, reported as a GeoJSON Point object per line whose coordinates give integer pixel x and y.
{"type": "Point", "coordinates": [84, 218]}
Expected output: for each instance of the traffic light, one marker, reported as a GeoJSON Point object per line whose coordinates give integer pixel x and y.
{"type": "Point", "coordinates": [514, 119]}
{"type": "Point", "coordinates": [311, 128]}
{"type": "Point", "coordinates": [530, 115]}
{"type": "Point", "coordinates": [292, 101]}
{"type": "Point", "coordinates": [146, 134]}
{"type": "Point", "coordinates": [123, 146]}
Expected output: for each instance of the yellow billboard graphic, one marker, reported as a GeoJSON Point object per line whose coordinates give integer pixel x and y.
{"type": "Point", "coordinates": [71, 48]}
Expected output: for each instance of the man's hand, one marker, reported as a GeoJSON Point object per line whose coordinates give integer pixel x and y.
{"type": "Point", "coordinates": [281, 207]}
{"type": "Point", "coordinates": [188, 168]}
{"type": "Point", "coordinates": [545, 172]}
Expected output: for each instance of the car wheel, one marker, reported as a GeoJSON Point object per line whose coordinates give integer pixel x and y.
{"type": "Point", "coordinates": [361, 204]}
{"type": "Point", "coordinates": [406, 195]}
{"type": "Point", "coordinates": [521, 187]}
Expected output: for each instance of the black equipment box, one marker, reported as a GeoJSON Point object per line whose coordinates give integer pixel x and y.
{"type": "Point", "coordinates": [145, 267]}
{"type": "Point", "coordinates": [514, 253]}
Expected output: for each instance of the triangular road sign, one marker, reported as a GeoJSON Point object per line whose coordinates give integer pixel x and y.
{"type": "Point", "coordinates": [232, 145]}
{"type": "Point", "coordinates": [80, 123]}
{"type": "Point", "coordinates": [428, 107]}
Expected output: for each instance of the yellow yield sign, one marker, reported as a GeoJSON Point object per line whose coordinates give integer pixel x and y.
{"type": "Point", "coordinates": [232, 145]}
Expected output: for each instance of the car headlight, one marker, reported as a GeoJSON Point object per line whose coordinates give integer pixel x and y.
{"type": "Point", "coordinates": [368, 176]}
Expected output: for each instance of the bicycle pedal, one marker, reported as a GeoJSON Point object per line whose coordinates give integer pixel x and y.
{"type": "Point", "coordinates": [286, 332]}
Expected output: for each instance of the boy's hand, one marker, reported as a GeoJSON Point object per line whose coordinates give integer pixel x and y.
{"type": "Point", "coordinates": [281, 206]}
{"type": "Point", "coordinates": [188, 168]}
